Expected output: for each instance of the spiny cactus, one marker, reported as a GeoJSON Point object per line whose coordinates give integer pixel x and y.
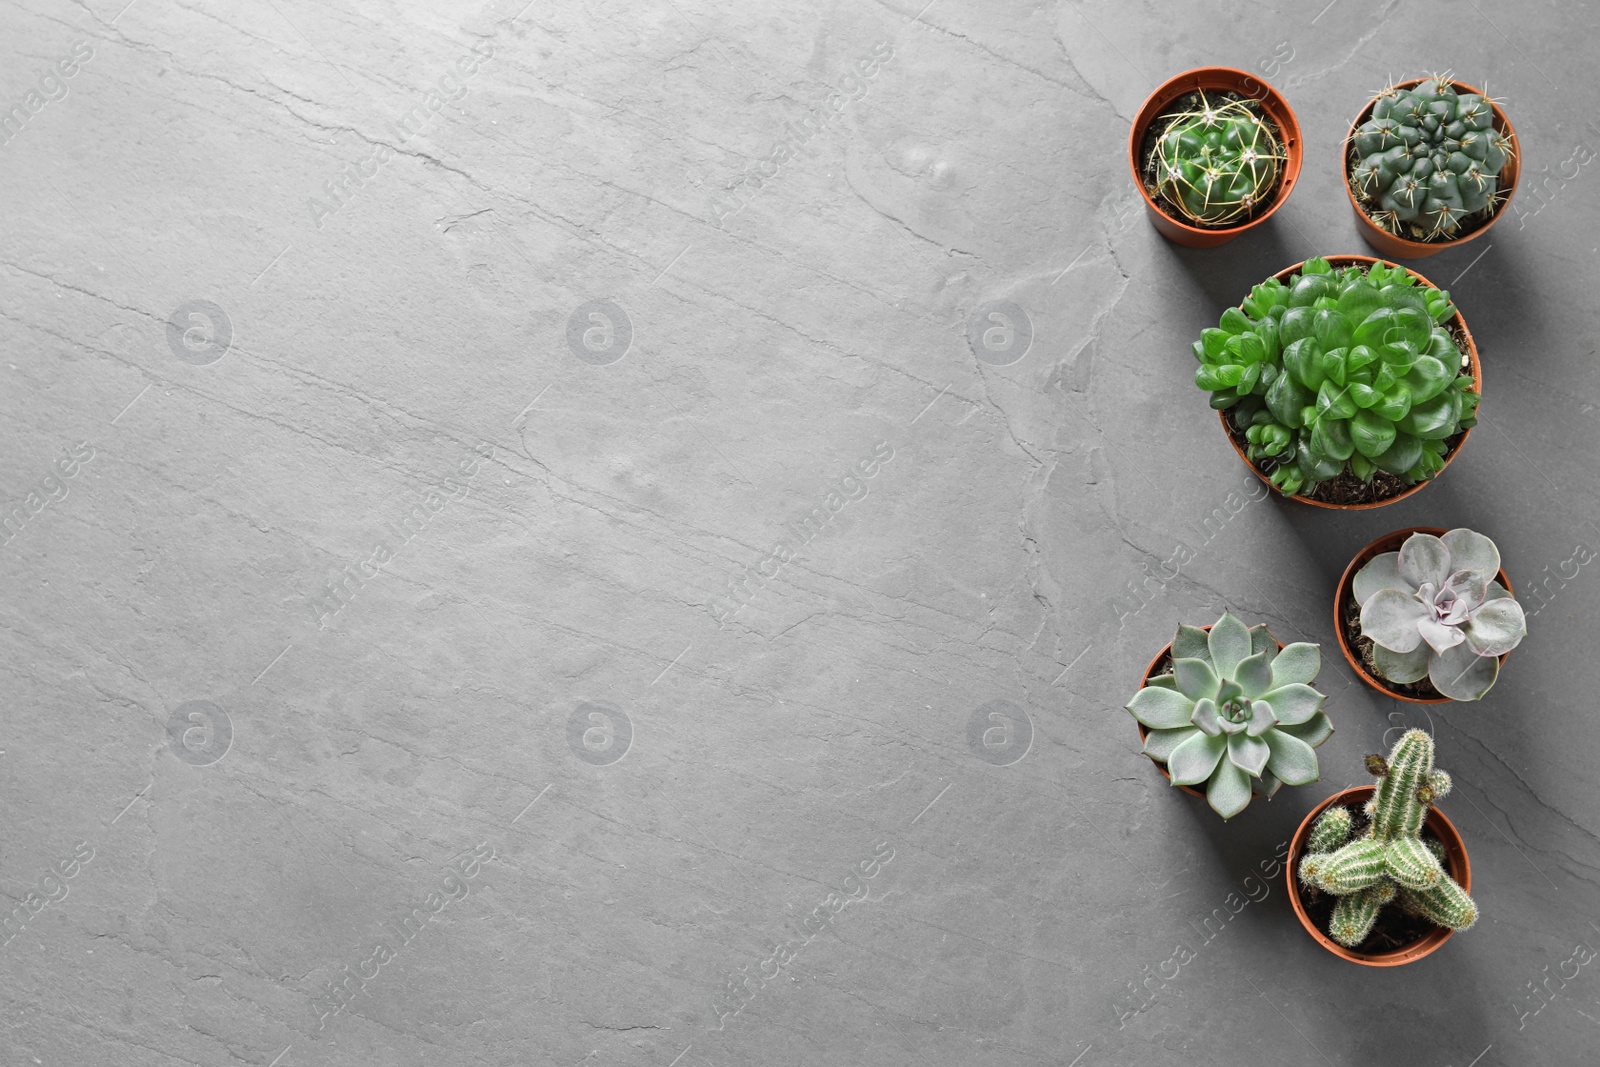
{"type": "Point", "coordinates": [1217, 162]}
{"type": "Point", "coordinates": [1340, 369]}
{"type": "Point", "coordinates": [1331, 830]}
{"type": "Point", "coordinates": [1391, 862]}
{"type": "Point", "coordinates": [1436, 610]}
{"type": "Point", "coordinates": [1428, 158]}
{"type": "Point", "coordinates": [1236, 713]}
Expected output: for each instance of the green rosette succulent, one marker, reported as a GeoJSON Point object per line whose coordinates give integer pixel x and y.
{"type": "Point", "coordinates": [1391, 862]}
{"type": "Point", "coordinates": [1235, 713]}
{"type": "Point", "coordinates": [1347, 369]}
{"type": "Point", "coordinates": [1218, 162]}
{"type": "Point", "coordinates": [1427, 159]}
{"type": "Point", "coordinates": [1436, 610]}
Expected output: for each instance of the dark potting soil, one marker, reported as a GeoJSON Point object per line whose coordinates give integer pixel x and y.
{"type": "Point", "coordinates": [1350, 619]}
{"type": "Point", "coordinates": [1158, 127]}
{"type": "Point", "coordinates": [1394, 930]}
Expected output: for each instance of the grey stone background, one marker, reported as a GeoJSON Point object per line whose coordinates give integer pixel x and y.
{"type": "Point", "coordinates": [244, 851]}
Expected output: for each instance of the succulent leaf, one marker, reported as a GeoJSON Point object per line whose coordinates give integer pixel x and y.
{"type": "Point", "coordinates": [1161, 709]}
{"type": "Point", "coordinates": [1295, 703]}
{"type": "Point", "coordinates": [1159, 744]}
{"type": "Point", "coordinates": [1229, 642]}
{"type": "Point", "coordinates": [1424, 559]}
{"type": "Point", "coordinates": [1379, 572]}
{"type": "Point", "coordinates": [1193, 761]}
{"type": "Point", "coordinates": [1228, 790]}
{"type": "Point", "coordinates": [1297, 663]}
{"type": "Point", "coordinates": [1496, 628]}
{"type": "Point", "coordinates": [1390, 619]}
{"type": "Point", "coordinates": [1314, 731]}
{"type": "Point", "coordinates": [1291, 759]}
{"type": "Point", "coordinates": [1402, 668]}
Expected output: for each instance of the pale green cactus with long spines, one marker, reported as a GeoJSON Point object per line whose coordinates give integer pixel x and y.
{"type": "Point", "coordinates": [1217, 162]}
{"type": "Point", "coordinates": [1391, 862]}
{"type": "Point", "coordinates": [1427, 159]}
{"type": "Point", "coordinates": [1235, 713]}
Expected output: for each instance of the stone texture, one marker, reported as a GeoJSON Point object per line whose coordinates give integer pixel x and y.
{"type": "Point", "coordinates": [563, 600]}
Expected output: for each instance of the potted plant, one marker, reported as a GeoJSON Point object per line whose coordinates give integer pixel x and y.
{"type": "Point", "coordinates": [1229, 706]}
{"type": "Point", "coordinates": [1213, 152]}
{"type": "Point", "coordinates": [1427, 615]}
{"type": "Point", "coordinates": [1343, 382]}
{"type": "Point", "coordinates": [1429, 164]}
{"type": "Point", "coordinates": [1380, 868]}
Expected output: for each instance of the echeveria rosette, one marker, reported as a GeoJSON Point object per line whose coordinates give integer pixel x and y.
{"type": "Point", "coordinates": [1435, 610]}
{"type": "Point", "coordinates": [1216, 163]}
{"type": "Point", "coordinates": [1340, 369]}
{"type": "Point", "coordinates": [1235, 713]}
{"type": "Point", "coordinates": [1427, 159]}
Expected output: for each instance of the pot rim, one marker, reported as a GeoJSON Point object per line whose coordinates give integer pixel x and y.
{"type": "Point", "coordinates": [1413, 249]}
{"type": "Point", "coordinates": [1229, 78]}
{"type": "Point", "coordinates": [1473, 363]}
{"type": "Point", "coordinates": [1345, 589]}
{"type": "Point", "coordinates": [1457, 863]}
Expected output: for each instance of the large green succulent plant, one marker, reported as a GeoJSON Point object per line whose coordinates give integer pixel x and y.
{"type": "Point", "coordinates": [1391, 862]}
{"type": "Point", "coordinates": [1218, 161]}
{"type": "Point", "coordinates": [1235, 713]}
{"type": "Point", "coordinates": [1436, 610]}
{"type": "Point", "coordinates": [1340, 369]}
{"type": "Point", "coordinates": [1427, 159]}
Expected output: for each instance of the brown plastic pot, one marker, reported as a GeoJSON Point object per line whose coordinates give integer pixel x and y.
{"type": "Point", "coordinates": [1402, 247]}
{"type": "Point", "coordinates": [1390, 542]}
{"type": "Point", "coordinates": [1472, 363]}
{"type": "Point", "coordinates": [1455, 862]}
{"type": "Point", "coordinates": [1220, 79]}
{"type": "Point", "coordinates": [1144, 731]}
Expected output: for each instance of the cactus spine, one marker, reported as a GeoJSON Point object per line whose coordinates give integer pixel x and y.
{"type": "Point", "coordinates": [1391, 862]}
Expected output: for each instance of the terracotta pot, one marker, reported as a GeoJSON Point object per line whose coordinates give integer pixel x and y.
{"type": "Point", "coordinates": [1221, 79]}
{"type": "Point", "coordinates": [1472, 363]}
{"type": "Point", "coordinates": [1144, 731]}
{"type": "Point", "coordinates": [1404, 248]}
{"type": "Point", "coordinates": [1455, 862]}
{"type": "Point", "coordinates": [1343, 595]}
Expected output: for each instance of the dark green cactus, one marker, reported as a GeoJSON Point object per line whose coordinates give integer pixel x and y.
{"type": "Point", "coordinates": [1427, 159]}
{"type": "Point", "coordinates": [1391, 862]}
{"type": "Point", "coordinates": [1218, 162]}
{"type": "Point", "coordinates": [1340, 369]}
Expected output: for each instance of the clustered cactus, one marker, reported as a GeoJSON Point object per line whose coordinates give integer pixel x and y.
{"type": "Point", "coordinates": [1218, 162]}
{"type": "Point", "coordinates": [1435, 610]}
{"type": "Point", "coordinates": [1235, 712]}
{"type": "Point", "coordinates": [1340, 369]}
{"type": "Point", "coordinates": [1391, 862]}
{"type": "Point", "coordinates": [1428, 158]}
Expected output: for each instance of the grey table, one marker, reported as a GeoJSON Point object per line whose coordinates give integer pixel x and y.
{"type": "Point", "coordinates": [539, 536]}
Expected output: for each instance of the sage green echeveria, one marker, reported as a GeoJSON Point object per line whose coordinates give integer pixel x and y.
{"type": "Point", "coordinates": [1435, 610]}
{"type": "Point", "coordinates": [1235, 713]}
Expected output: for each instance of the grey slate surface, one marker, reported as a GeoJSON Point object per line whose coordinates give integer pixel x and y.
{"type": "Point", "coordinates": [597, 484]}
